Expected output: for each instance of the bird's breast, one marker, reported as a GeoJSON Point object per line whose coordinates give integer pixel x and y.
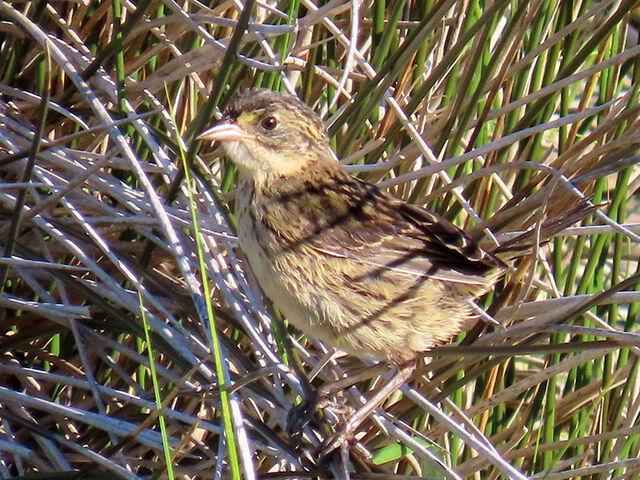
{"type": "Point", "coordinates": [283, 265]}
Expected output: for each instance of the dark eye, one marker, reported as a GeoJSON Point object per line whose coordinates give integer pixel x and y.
{"type": "Point", "coordinates": [269, 123]}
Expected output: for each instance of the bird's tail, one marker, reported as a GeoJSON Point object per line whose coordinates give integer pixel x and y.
{"type": "Point", "coordinates": [524, 243]}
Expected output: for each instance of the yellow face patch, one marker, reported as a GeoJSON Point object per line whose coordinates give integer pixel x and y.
{"type": "Point", "coordinates": [249, 118]}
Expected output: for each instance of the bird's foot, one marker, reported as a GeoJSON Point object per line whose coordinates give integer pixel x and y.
{"type": "Point", "coordinates": [334, 442]}
{"type": "Point", "coordinates": [347, 429]}
{"type": "Point", "coordinates": [300, 415]}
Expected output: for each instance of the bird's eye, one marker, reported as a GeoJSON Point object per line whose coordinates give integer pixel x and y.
{"type": "Point", "coordinates": [269, 123]}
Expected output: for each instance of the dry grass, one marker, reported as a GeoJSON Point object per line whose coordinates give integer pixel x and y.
{"type": "Point", "coordinates": [497, 116]}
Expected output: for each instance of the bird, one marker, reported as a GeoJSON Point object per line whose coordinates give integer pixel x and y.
{"type": "Point", "coordinates": [359, 269]}
{"type": "Point", "coordinates": [347, 263]}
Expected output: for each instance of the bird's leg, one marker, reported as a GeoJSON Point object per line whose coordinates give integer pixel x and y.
{"type": "Point", "coordinates": [361, 375]}
{"type": "Point", "coordinates": [300, 415]}
{"type": "Point", "coordinates": [402, 375]}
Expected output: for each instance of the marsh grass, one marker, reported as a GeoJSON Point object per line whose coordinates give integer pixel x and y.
{"type": "Point", "coordinates": [497, 115]}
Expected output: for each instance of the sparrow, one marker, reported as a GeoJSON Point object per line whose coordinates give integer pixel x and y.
{"type": "Point", "coordinates": [363, 271]}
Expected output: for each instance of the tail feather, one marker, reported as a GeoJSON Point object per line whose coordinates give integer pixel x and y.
{"type": "Point", "coordinates": [524, 243]}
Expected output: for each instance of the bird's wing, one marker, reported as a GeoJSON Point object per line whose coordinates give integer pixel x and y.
{"type": "Point", "coordinates": [402, 238]}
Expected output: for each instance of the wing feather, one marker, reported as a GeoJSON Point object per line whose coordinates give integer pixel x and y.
{"type": "Point", "coordinates": [388, 234]}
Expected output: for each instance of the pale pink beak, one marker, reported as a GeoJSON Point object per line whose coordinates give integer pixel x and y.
{"type": "Point", "coordinates": [224, 132]}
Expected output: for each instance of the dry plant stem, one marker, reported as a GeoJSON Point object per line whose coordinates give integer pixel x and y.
{"type": "Point", "coordinates": [70, 274]}
{"type": "Point", "coordinates": [357, 377]}
{"type": "Point", "coordinates": [402, 375]}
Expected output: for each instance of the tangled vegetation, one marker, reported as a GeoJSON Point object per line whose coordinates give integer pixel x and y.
{"type": "Point", "coordinates": [117, 259]}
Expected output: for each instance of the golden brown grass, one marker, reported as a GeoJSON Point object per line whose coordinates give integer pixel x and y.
{"type": "Point", "coordinates": [494, 115]}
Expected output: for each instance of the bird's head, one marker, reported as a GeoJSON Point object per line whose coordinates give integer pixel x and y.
{"type": "Point", "coordinates": [266, 133]}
